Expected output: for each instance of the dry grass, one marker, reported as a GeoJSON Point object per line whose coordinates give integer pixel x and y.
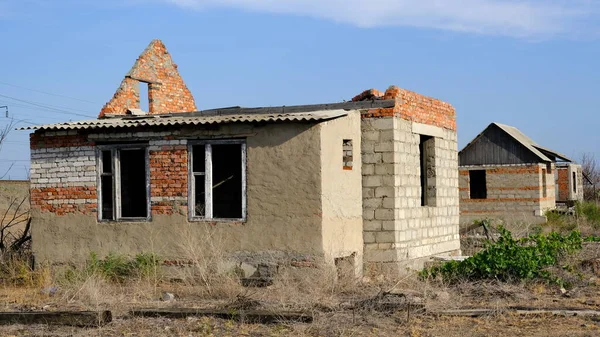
{"type": "Point", "coordinates": [212, 280]}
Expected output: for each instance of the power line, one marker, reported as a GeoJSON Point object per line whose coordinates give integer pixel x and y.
{"type": "Point", "coordinates": [47, 93]}
{"type": "Point", "coordinates": [53, 108]}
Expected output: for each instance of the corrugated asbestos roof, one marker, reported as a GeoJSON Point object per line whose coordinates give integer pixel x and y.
{"type": "Point", "coordinates": [171, 120]}
{"type": "Point", "coordinates": [523, 139]}
{"type": "Point", "coordinates": [539, 151]}
{"type": "Point", "coordinates": [236, 114]}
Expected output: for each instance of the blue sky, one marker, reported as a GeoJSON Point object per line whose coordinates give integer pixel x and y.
{"type": "Point", "coordinates": [531, 64]}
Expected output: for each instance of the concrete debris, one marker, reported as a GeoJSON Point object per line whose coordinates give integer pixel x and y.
{"type": "Point", "coordinates": [168, 297]}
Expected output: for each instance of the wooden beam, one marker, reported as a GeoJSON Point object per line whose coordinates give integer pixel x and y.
{"type": "Point", "coordinates": [247, 316]}
{"type": "Point", "coordinates": [72, 318]}
{"type": "Point", "coordinates": [524, 311]}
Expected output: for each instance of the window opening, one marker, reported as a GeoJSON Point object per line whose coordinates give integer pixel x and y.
{"type": "Point", "coordinates": [133, 183]}
{"type": "Point", "coordinates": [544, 186]}
{"type": "Point", "coordinates": [106, 185]}
{"type": "Point", "coordinates": [144, 96]}
{"type": "Point", "coordinates": [218, 180]}
{"type": "Point", "coordinates": [574, 182]}
{"type": "Point", "coordinates": [123, 183]}
{"type": "Point", "coordinates": [347, 154]}
{"type": "Point", "coordinates": [477, 184]}
{"type": "Point", "coordinates": [426, 161]}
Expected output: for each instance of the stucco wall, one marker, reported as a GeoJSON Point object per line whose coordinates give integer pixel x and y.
{"type": "Point", "coordinates": [514, 193]}
{"type": "Point", "coordinates": [284, 204]}
{"type": "Point", "coordinates": [341, 190]}
{"type": "Point", "coordinates": [398, 231]}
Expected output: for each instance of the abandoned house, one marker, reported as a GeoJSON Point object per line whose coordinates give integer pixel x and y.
{"type": "Point", "coordinates": [372, 181]}
{"type": "Point", "coordinates": [506, 175]}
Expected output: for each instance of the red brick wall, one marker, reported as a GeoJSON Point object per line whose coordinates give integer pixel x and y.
{"type": "Point", "coordinates": [42, 199]}
{"type": "Point", "coordinates": [39, 140]}
{"type": "Point", "coordinates": [411, 106]}
{"type": "Point", "coordinates": [169, 179]}
{"type": "Point", "coordinates": [563, 183]}
{"type": "Point", "coordinates": [166, 90]}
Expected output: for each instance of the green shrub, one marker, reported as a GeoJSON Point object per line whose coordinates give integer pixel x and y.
{"type": "Point", "coordinates": [590, 211]}
{"type": "Point", "coordinates": [509, 259]}
{"type": "Point", "coordinates": [117, 268]}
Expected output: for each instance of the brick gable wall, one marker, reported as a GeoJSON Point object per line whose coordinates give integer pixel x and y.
{"type": "Point", "coordinates": [167, 92]}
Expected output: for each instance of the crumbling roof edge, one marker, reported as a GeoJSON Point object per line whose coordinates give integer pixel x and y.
{"type": "Point", "coordinates": [238, 110]}
{"type": "Point", "coordinates": [289, 113]}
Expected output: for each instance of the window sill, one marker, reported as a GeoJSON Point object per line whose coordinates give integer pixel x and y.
{"type": "Point", "coordinates": [217, 220]}
{"type": "Point", "coordinates": [125, 220]}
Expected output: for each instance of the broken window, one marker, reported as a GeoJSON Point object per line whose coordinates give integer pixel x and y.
{"type": "Point", "coordinates": [347, 154]}
{"type": "Point", "coordinates": [427, 166]}
{"type": "Point", "coordinates": [124, 187]}
{"type": "Point", "coordinates": [477, 184]}
{"type": "Point", "coordinates": [574, 182]}
{"type": "Point", "coordinates": [218, 180]}
{"type": "Point", "coordinates": [544, 186]}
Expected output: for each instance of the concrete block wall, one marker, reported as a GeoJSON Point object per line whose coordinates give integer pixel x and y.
{"type": "Point", "coordinates": [514, 192]}
{"type": "Point", "coordinates": [399, 232]}
{"type": "Point", "coordinates": [63, 173]}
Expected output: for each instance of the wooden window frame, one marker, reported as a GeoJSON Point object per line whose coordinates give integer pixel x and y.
{"type": "Point", "coordinates": [115, 150]}
{"type": "Point", "coordinates": [208, 179]}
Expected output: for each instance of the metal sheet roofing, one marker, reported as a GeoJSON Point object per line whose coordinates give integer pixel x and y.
{"type": "Point", "coordinates": [173, 120]}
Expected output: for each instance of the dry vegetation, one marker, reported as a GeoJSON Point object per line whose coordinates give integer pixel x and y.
{"type": "Point", "coordinates": [340, 308]}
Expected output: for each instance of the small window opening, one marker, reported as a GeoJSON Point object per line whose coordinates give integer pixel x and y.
{"type": "Point", "coordinates": [218, 181]}
{"type": "Point", "coordinates": [544, 185]}
{"type": "Point", "coordinates": [427, 162]}
{"type": "Point", "coordinates": [347, 154]}
{"type": "Point", "coordinates": [477, 184]}
{"type": "Point", "coordinates": [144, 96]}
{"type": "Point", "coordinates": [574, 182]}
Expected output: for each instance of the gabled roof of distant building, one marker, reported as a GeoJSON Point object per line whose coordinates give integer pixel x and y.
{"type": "Point", "coordinates": [543, 153]}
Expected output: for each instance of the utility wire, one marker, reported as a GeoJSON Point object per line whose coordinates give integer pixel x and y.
{"type": "Point", "coordinates": [48, 93]}
{"type": "Point", "coordinates": [53, 108]}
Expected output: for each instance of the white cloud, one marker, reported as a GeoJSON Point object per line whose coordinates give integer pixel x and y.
{"type": "Point", "coordinates": [496, 17]}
